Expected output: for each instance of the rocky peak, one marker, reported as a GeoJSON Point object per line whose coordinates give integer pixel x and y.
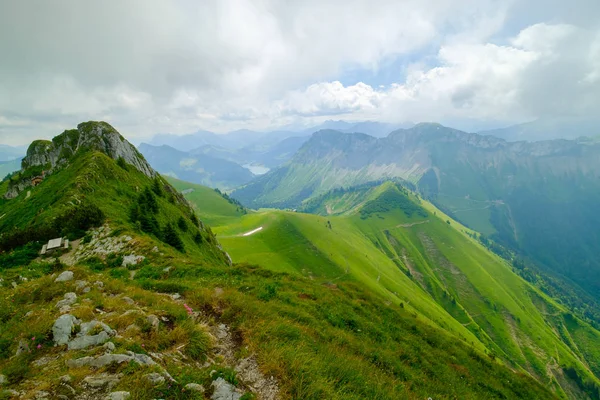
{"type": "Point", "coordinates": [93, 136]}
{"type": "Point", "coordinates": [45, 156]}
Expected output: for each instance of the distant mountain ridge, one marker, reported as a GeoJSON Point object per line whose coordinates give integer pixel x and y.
{"type": "Point", "coordinates": [535, 197]}
{"type": "Point", "coordinates": [203, 169]}
{"type": "Point", "coordinates": [548, 129]}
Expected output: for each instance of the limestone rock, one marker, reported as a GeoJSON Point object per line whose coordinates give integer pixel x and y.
{"type": "Point", "coordinates": [153, 321]}
{"type": "Point", "coordinates": [83, 342]}
{"type": "Point", "coordinates": [128, 300]}
{"type": "Point", "coordinates": [102, 381]}
{"type": "Point", "coordinates": [109, 347]}
{"type": "Point", "coordinates": [87, 327]}
{"type": "Point", "coordinates": [64, 276]}
{"type": "Point", "coordinates": [100, 361]}
{"type": "Point", "coordinates": [118, 396]}
{"type": "Point", "coordinates": [155, 378]}
{"type": "Point", "coordinates": [79, 285]}
{"type": "Point", "coordinates": [41, 394]}
{"type": "Point", "coordinates": [69, 299]}
{"type": "Point", "coordinates": [132, 259]}
{"type": "Point", "coordinates": [62, 328]}
{"type": "Point", "coordinates": [194, 387]}
{"type": "Point", "coordinates": [23, 347]}
{"type": "Point", "coordinates": [224, 390]}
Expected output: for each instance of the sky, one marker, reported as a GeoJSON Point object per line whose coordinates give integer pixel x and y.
{"type": "Point", "coordinates": [150, 66]}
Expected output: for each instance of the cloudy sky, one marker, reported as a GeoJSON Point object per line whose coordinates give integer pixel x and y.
{"type": "Point", "coordinates": [150, 66]}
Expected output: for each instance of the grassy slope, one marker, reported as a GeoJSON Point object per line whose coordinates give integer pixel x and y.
{"type": "Point", "coordinates": [335, 341]}
{"type": "Point", "coordinates": [97, 179]}
{"type": "Point", "coordinates": [486, 299]}
{"type": "Point", "coordinates": [208, 204]}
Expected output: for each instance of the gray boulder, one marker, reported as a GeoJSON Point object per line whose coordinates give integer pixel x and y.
{"type": "Point", "coordinates": [224, 390]}
{"type": "Point", "coordinates": [64, 276]}
{"type": "Point", "coordinates": [155, 378]}
{"type": "Point", "coordinates": [70, 298]}
{"type": "Point", "coordinates": [132, 259]}
{"type": "Point", "coordinates": [83, 342]}
{"type": "Point", "coordinates": [102, 380]}
{"type": "Point", "coordinates": [194, 387]}
{"type": "Point", "coordinates": [23, 347]}
{"type": "Point", "coordinates": [118, 396]}
{"type": "Point", "coordinates": [62, 328]}
{"type": "Point", "coordinates": [99, 362]}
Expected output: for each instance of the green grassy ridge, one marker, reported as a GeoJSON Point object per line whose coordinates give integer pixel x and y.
{"type": "Point", "coordinates": [208, 203]}
{"type": "Point", "coordinates": [94, 177]}
{"type": "Point", "coordinates": [494, 302]}
{"type": "Point", "coordinates": [320, 338]}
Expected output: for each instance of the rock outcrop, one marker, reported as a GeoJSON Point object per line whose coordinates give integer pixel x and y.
{"type": "Point", "coordinates": [47, 156]}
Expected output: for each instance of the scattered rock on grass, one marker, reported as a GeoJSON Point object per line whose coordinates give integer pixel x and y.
{"type": "Point", "coordinates": [62, 328]}
{"type": "Point", "coordinates": [194, 387]}
{"type": "Point", "coordinates": [118, 396]}
{"type": "Point", "coordinates": [155, 378]}
{"type": "Point", "coordinates": [69, 299]}
{"type": "Point", "coordinates": [102, 381]}
{"type": "Point", "coordinates": [224, 390]}
{"type": "Point", "coordinates": [64, 276]}
{"type": "Point", "coordinates": [132, 259]}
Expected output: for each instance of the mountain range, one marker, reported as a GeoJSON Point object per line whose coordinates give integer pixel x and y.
{"type": "Point", "coordinates": [198, 168]}
{"type": "Point", "coordinates": [369, 289]}
{"type": "Point", "coordinates": [535, 198]}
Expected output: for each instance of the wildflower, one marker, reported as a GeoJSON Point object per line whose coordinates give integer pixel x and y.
{"type": "Point", "coordinates": [189, 309]}
{"type": "Point", "coordinates": [33, 338]}
{"type": "Point", "coordinates": [39, 346]}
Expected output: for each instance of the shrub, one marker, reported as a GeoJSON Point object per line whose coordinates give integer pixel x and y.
{"type": "Point", "coordinates": [171, 237]}
{"type": "Point", "coordinates": [122, 163]}
{"type": "Point", "coordinates": [182, 224]}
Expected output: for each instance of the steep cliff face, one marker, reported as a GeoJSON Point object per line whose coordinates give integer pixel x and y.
{"type": "Point", "coordinates": [45, 157]}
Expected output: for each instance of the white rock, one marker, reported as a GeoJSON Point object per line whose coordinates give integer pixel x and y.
{"type": "Point", "coordinates": [194, 387]}
{"type": "Point", "coordinates": [23, 347]}
{"type": "Point", "coordinates": [224, 390]}
{"type": "Point", "coordinates": [132, 259]}
{"type": "Point", "coordinates": [83, 342]}
{"type": "Point", "coordinates": [62, 328]}
{"type": "Point", "coordinates": [153, 321]}
{"type": "Point", "coordinates": [109, 347]}
{"type": "Point", "coordinates": [80, 284]}
{"type": "Point", "coordinates": [102, 380]}
{"type": "Point", "coordinates": [155, 378]}
{"type": "Point", "coordinates": [118, 396]}
{"type": "Point", "coordinates": [64, 276]}
{"type": "Point", "coordinates": [69, 299]}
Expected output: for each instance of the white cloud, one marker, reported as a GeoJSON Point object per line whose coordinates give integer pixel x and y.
{"type": "Point", "coordinates": [151, 66]}
{"type": "Point", "coordinates": [546, 70]}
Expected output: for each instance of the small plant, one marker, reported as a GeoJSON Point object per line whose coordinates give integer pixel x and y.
{"type": "Point", "coordinates": [182, 224]}
{"type": "Point", "coordinates": [226, 373]}
{"type": "Point", "coordinates": [122, 163]}
{"type": "Point", "coordinates": [268, 292]}
{"type": "Point", "coordinates": [198, 345]}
